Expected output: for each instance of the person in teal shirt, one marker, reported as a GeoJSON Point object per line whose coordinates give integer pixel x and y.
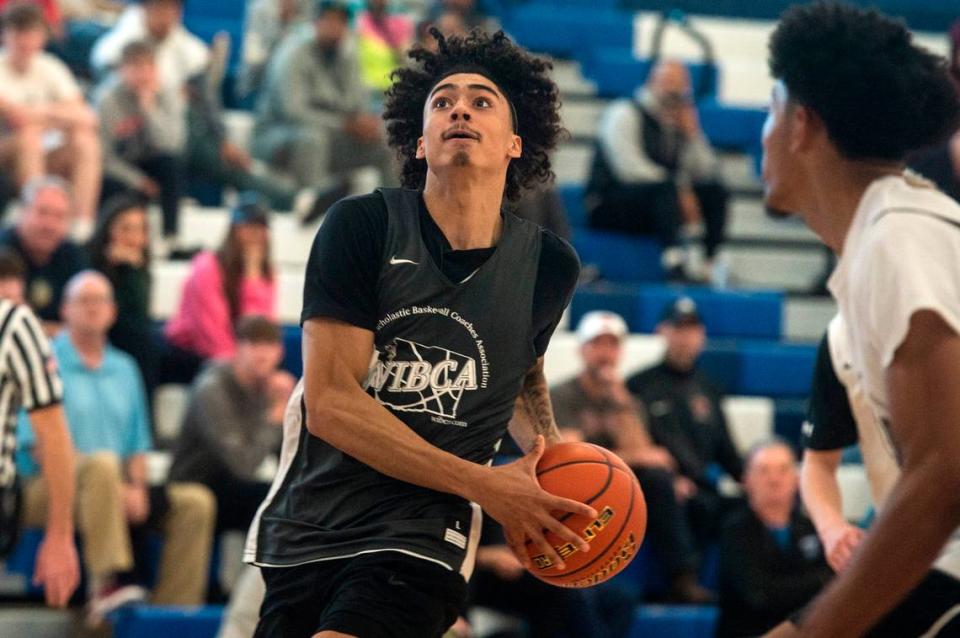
{"type": "Point", "coordinates": [106, 410]}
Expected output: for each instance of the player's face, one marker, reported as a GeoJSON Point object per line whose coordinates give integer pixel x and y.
{"type": "Point", "coordinates": [771, 478]}
{"type": "Point", "coordinates": [89, 307]}
{"type": "Point", "coordinates": [467, 122]}
{"type": "Point", "coordinates": [779, 167]}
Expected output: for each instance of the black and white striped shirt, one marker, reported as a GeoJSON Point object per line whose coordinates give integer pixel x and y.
{"type": "Point", "coordinates": [28, 377]}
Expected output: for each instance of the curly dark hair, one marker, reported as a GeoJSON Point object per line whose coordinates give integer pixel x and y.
{"type": "Point", "coordinates": [879, 95]}
{"type": "Point", "coordinates": [523, 78]}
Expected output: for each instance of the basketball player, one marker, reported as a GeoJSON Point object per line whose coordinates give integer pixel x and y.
{"type": "Point", "coordinates": [840, 415]}
{"type": "Point", "coordinates": [427, 311]}
{"type": "Point", "coordinates": [852, 96]}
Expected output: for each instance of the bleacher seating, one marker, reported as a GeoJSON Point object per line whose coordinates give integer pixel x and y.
{"type": "Point", "coordinates": [164, 622]}
{"type": "Point", "coordinates": [617, 72]}
{"type": "Point", "coordinates": [674, 621]}
{"type": "Point", "coordinates": [726, 313]}
{"type": "Point", "coordinates": [565, 33]}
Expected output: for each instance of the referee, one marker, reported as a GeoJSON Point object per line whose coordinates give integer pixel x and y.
{"type": "Point", "coordinates": [29, 380]}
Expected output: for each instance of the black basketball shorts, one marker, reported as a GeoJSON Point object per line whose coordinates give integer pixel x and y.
{"type": "Point", "coordinates": [376, 595]}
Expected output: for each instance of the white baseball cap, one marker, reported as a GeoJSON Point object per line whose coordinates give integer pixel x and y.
{"type": "Point", "coordinates": [601, 322]}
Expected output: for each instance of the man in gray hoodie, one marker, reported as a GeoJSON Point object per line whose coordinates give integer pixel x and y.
{"type": "Point", "coordinates": [312, 118]}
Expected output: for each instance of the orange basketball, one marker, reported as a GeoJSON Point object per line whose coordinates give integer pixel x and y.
{"type": "Point", "coordinates": [595, 476]}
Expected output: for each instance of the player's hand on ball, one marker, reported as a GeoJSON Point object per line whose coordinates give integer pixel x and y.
{"type": "Point", "coordinates": [514, 498]}
{"type": "Point", "coordinates": [839, 543]}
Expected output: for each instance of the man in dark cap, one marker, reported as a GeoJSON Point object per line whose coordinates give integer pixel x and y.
{"type": "Point", "coordinates": [686, 416]}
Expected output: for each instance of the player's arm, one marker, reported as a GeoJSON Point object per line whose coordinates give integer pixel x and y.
{"type": "Point", "coordinates": [533, 412]}
{"type": "Point", "coordinates": [58, 568]}
{"type": "Point", "coordinates": [924, 506]}
{"type": "Point", "coordinates": [339, 411]}
{"type": "Point", "coordinates": [820, 492]}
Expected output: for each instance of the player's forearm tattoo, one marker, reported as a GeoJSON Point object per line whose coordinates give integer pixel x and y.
{"type": "Point", "coordinates": [535, 402]}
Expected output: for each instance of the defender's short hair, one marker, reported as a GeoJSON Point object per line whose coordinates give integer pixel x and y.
{"type": "Point", "coordinates": [879, 95]}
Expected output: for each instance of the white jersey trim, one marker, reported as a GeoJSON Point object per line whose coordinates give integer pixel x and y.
{"type": "Point", "coordinates": [354, 555]}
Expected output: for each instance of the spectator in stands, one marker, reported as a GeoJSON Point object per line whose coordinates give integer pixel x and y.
{"type": "Point", "coordinates": [686, 417]}
{"type": "Point", "coordinates": [233, 423]}
{"type": "Point", "coordinates": [106, 410]}
{"type": "Point", "coordinates": [40, 239]}
{"type": "Point", "coordinates": [654, 171]}
{"type": "Point", "coordinates": [223, 286]}
{"type": "Point", "coordinates": [468, 12]}
{"type": "Point", "coordinates": [52, 15]}
{"type": "Point", "coordinates": [83, 22]}
{"type": "Point", "coordinates": [120, 249]}
{"type": "Point", "coordinates": [13, 274]}
{"type": "Point", "coordinates": [311, 118]}
{"type": "Point", "coordinates": [143, 131]}
{"type": "Point", "coordinates": [267, 24]}
{"type": "Point", "coordinates": [597, 407]}
{"type": "Point", "coordinates": [180, 55]}
{"type": "Point", "coordinates": [46, 127]}
{"type": "Point", "coordinates": [382, 43]}
{"type": "Point", "coordinates": [771, 560]}
{"type": "Point", "coordinates": [212, 156]}
{"type": "Point", "coordinates": [448, 23]}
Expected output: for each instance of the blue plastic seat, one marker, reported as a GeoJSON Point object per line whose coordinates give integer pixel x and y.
{"type": "Point", "coordinates": [567, 31]}
{"type": "Point", "coordinates": [164, 622]}
{"type": "Point", "coordinates": [620, 257]}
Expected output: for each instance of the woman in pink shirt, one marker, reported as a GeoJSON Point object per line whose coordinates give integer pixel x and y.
{"type": "Point", "coordinates": [235, 281]}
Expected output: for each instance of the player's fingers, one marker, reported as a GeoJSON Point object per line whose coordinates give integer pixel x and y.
{"type": "Point", "coordinates": [546, 549]}
{"type": "Point", "coordinates": [557, 503]}
{"type": "Point", "coordinates": [517, 545]}
{"type": "Point", "coordinates": [566, 533]}
{"type": "Point", "coordinates": [533, 456]}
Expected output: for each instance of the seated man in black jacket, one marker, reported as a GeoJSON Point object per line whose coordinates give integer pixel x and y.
{"type": "Point", "coordinates": [686, 418]}
{"type": "Point", "coordinates": [771, 560]}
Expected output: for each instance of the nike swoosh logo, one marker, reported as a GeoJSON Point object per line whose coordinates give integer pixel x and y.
{"type": "Point", "coordinates": [394, 261]}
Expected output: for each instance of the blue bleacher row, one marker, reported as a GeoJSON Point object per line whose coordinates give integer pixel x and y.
{"type": "Point", "coordinates": [203, 622]}
{"type": "Point", "coordinates": [641, 576]}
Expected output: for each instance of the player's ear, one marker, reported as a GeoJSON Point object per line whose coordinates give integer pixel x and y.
{"type": "Point", "coordinates": [421, 153]}
{"type": "Point", "coordinates": [515, 150]}
{"type": "Point", "coordinates": [806, 125]}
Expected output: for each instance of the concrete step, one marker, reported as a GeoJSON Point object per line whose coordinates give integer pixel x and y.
{"type": "Point", "coordinates": [37, 622]}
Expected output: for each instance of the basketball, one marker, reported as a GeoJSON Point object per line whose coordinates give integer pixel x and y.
{"type": "Point", "coordinates": [595, 476]}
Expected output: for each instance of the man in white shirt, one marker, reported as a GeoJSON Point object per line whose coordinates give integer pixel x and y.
{"type": "Point", "coordinates": [852, 96]}
{"type": "Point", "coordinates": [45, 127]}
{"type": "Point", "coordinates": [654, 171]}
{"type": "Point", "coordinates": [180, 55]}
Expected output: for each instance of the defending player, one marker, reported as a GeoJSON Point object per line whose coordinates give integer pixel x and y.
{"type": "Point", "coordinates": [852, 96]}
{"type": "Point", "coordinates": [427, 311]}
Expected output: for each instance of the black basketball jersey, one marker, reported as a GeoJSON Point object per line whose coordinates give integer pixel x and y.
{"type": "Point", "coordinates": [450, 358]}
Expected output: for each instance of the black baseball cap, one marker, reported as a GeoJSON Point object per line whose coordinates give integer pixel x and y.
{"type": "Point", "coordinates": [323, 7]}
{"type": "Point", "coordinates": [683, 311]}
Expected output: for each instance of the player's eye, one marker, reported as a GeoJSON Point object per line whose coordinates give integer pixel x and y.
{"type": "Point", "coordinates": [441, 102]}
{"type": "Point", "coordinates": [482, 102]}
